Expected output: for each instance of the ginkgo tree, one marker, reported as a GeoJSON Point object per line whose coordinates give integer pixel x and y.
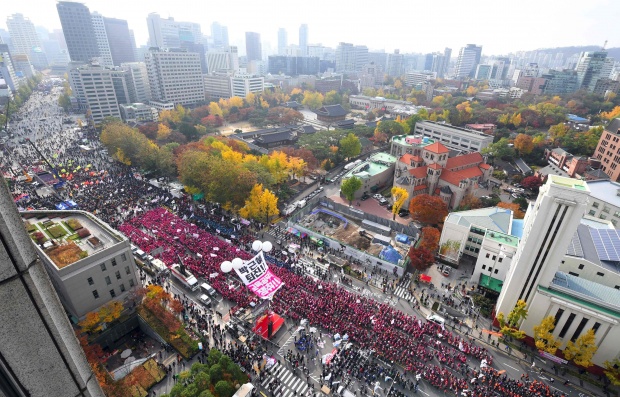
{"type": "Point", "coordinates": [261, 205]}
{"type": "Point", "coordinates": [543, 335]}
{"type": "Point", "coordinates": [582, 350]}
{"type": "Point", "coordinates": [399, 195]}
{"type": "Point", "coordinates": [509, 326]}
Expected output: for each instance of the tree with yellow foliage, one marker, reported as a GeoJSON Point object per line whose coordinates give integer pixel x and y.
{"type": "Point", "coordinates": [582, 350]}
{"type": "Point", "coordinates": [509, 326]}
{"type": "Point", "coordinates": [261, 205]}
{"type": "Point", "coordinates": [215, 110]}
{"type": "Point", "coordinates": [543, 335]}
{"type": "Point", "coordinates": [524, 143]}
{"type": "Point", "coordinates": [91, 322]}
{"type": "Point", "coordinates": [612, 114]}
{"type": "Point", "coordinates": [612, 371]}
{"type": "Point", "coordinates": [163, 132]}
{"type": "Point", "coordinates": [313, 100]}
{"type": "Point", "coordinates": [516, 120]}
{"type": "Point", "coordinates": [399, 195]}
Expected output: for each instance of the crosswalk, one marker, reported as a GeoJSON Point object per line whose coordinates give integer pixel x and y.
{"type": "Point", "coordinates": [290, 384]}
{"type": "Point", "coordinates": [402, 291]}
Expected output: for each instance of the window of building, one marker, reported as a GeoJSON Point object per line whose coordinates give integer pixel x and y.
{"type": "Point", "coordinates": [595, 327]}
{"type": "Point", "coordinates": [127, 270]}
{"type": "Point", "coordinates": [96, 294]}
{"type": "Point", "coordinates": [558, 315]}
{"type": "Point", "coordinates": [574, 274]}
{"type": "Point", "coordinates": [102, 267]}
{"type": "Point", "coordinates": [113, 261]}
{"type": "Point", "coordinates": [595, 204]}
{"type": "Point", "coordinates": [90, 281]}
{"type": "Point", "coordinates": [488, 255]}
{"type": "Point", "coordinates": [494, 257]}
{"type": "Point", "coordinates": [124, 257]}
{"type": "Point", "coordinates": [107, 280]}
{"type": "Point", "coordinates": [581, 266]}
{"type": "Point", "coordinates": [112, 293]}
{"type": "Point", "coordinates": [131, 283]}
{"type": "Point", "coordinates": [501, 258]}
{"type": "Point", "coordinates": [580, 327]}
{"type": "Point", "coordinates": [118, 275]}
{"type": "Point", "coordinates": [495, 272]}
{"type": "Point", "coordinates": [567, 325]}
{"type": "Point", "coordinates": [600, 274]}
{"type": "Point", "coordinates": [484, 267]}
{"type": "Point", "coordinates": [591, 212]}
{"type": "Point", "coordinates": [122, 287]}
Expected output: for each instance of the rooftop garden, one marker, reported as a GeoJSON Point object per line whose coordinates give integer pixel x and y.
{"type": "Point", "coordinates": [65, 254]}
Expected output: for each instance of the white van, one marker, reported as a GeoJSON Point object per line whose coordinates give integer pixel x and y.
{"type": "Point", "coordinates": [141, 254]}
{"type": "Point", "coordinates": [206, 288]}
{"type": "Point", "coordinates": [436, 319]}
{"type": "Point", "coordinates": [205, 300]}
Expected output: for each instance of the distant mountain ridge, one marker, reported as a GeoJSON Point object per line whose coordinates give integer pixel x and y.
{"type": "Point", "coordinates": [570, 51]}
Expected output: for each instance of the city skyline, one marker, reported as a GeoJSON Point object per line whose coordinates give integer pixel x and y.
{"type": "Point", "coordinates": [586, 25]}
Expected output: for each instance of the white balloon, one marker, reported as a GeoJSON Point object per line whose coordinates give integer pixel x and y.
{"type": "Point", "coordinates": [267, 246]}
{"type": "Point", "coordinates": [257, 245]}
{"type": "Point", "coordinates": [226, 266]}
{"type": "Point", "coordinates": [237, 263]}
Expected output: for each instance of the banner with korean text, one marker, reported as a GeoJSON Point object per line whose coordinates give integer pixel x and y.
{"type": "Point", "coordinates": [256, 275]}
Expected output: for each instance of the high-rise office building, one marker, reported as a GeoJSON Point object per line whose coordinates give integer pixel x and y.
{"type": "Point", "coordinates": [282, 41]}
{"type": "Point", "coordinates": [40, 354]}
{"type": "Point", "coordinates": [168, 33]}
{"type": "Point", "coordinates": [26, 40]}
{"type": "Point", "coordinates": [105, 52]}
{"type": "Point", "coordinates": [303, 40]}
{"type": "Point", "coordinates": [219, 35]}
{"type": "Point", "coordinates": [591, 67]}
{"type": "Point", "coordinates": [175, 75]}
{"type": "Point", "coordinates": [93, 88]}
{"type": "Point", "coordinates": [468, 60]}
{"type": "Point", "coordinates": [223, 61]}
{"type": "Point", "coordinates": [138, 81]}
{"type": "Point", "coordinates": [78, 31]}
{"type": "Point", "coordinates": [120, 40]}
{"type": "Point", "coordinates": [253, 47]}
{"type": "Point", "coordinates": [395, 64]}
{"type": "Point", "coordinates": [351, 58]}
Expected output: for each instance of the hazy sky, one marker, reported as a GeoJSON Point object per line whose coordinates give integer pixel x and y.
{"type": "Point", "coordinates": [411, 26]}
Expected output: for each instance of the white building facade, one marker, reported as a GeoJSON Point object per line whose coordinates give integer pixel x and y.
{"type": "Point", "coordinates": [454, 137]}
{"type": "Point", "coordinates": [175, 76]}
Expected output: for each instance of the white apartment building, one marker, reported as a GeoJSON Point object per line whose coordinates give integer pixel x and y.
{"type": "Point", "coordinates": [138, 80]}
{"type": "Point", "coordinates": [175, 76]}
{"type": "Point", "coordinates": [578, 301]}
{"type": "Point", "coordinates": [105, 54]}
{"type": "Point", "coordinates": [370, 103]}
{"type": "Point", "coordinates": [168, 33]}
{"type": "Point", "coordinates": [91, 270]}
{"type": "Point", "coordinates": [494, 260]}
{"type": "Point", "coordinates": [454, 137]}
{"type": "Point", "coordinates": [242, 84]}
{"type": "Point", "coordinates": [93, 87]}
{"type": "Point", "coordinates": [138, 112]}
{"type": "Point", "coordinates": [25, 40]}
{"type": "Point", "coordinates": [223, 61]}
{"type": "Point", "coordinates": [414, 78]}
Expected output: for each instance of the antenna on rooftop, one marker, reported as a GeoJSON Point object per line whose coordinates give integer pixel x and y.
{"type": "Point", "coordinates": [604, 45]}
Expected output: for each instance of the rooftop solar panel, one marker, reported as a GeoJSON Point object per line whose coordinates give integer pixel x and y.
{"type": "Point", "coordinates": [607, 244]}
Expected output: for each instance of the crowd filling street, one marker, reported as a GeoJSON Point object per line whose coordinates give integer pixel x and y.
{"type": "Point", "coordinates": [382, 347]}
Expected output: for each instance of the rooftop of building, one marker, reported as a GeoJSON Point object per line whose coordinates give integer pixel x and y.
{"type": "Point", "coordinates": [596, 174]}
{"type": "Point", "coordinates": [376, 164]}
{"type": "Point", "coordinates": [576, 119]}
{"type": "Point", "coordinates": [380, 99]}
{"type": "Point", "coordinates": [605, 190]}
{"type": "Point", "coordinates": [599, 245]}
{"type": "Point", "coordinates": [332, 111]}
{"type": "Point", "coordinates": [66, 237]}
{"type": "Point", "coordinates": [493, 218]}
{"type": "Point", "coordinates": [597, 296]}
{"type": "Point", "coordinates": [613, 126]}
{"type": "Point", "coordinates": [502, 238]}
{"type": "Point", "coordinates": [413, 140]}
{"type": "Point", "coordinates": [437, 147]}
{"type": "Point", "coordinates": [443, 124]}
{"type": "Point", "coordinates": [517, 228]}
{"type": "Point", "coordinates": [552, 170]}
{"type": "Point", "coordinates": [567, 182]}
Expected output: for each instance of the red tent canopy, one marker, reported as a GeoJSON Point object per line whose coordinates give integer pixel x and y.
{"type": "Point", "coordinates": [425, 277]}
{"type": "Point", "coordinates": [262, 324]}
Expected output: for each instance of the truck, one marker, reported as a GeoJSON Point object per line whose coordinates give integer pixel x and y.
{"type": "Point", "coordinates": [302, 203]}
{"type": "Point", "coordinates": [290, 208]}
{"type": "Point", "coordinates": [184, 276]}
{"type": "Point", "coordinates": [159, 266]}
{"type": "Point", "coordinates": [353, 164]}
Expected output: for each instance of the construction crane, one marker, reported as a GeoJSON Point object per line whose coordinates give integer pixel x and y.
{"type": "Point", "coordinates": [60, 181]}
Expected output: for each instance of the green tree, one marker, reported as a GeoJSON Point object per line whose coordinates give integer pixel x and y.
{"type": "Point", "coordinates": [350, 146]}
{"type": "Point", "coordinates": [543, 335]}
{"type": "Point", "coordinates": [224, 389]}
{"type": "Point", "coordinates": [64, 101]}
{"type": "Point", "coordinates": [332, 98]}
{"type": "Point", "coordinates": [582, 350]}
{"type": "Point", "coordinates": [216, 373]}
{"type": "Point", "coordinates": [390, 128]}
{"type": "Point", "coordinates": [501, 149]}
{"type": "Point", "coordinates": [313, 100]}
{"type": "Point", "coordinates": [350, 186]}
{"type": "Point", "coordinates": [509, 326]}
{"type": "Point", "coordinates": [214, 357]}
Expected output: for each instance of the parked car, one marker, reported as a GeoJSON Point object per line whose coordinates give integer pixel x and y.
{"type": "Point", "coordinates": [403, 213]}
{"type": "Point", "coordinates": [377, 196]}
{"type": "Point", "coordinates": [389, 207]}
{"type": "Point", "coordinates": [365, 197]}
{"type": "Point", "coordinates": [515, 195]}
{"type": "Point", "coordinates": [383, 201]}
